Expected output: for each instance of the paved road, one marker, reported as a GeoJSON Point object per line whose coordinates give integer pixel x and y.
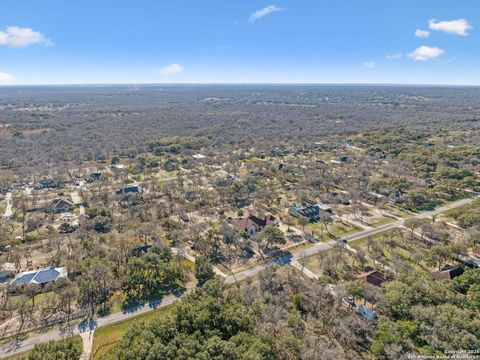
{"type": "Point", "coordinates": [27, 344]}
{"type": "Point", "coordinates": [8, 210]}
{"type": "Point", "coordinates": [21, 346]}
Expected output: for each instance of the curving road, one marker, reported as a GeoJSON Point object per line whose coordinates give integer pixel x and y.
{"type": "Point", "coordinates": [27, 344]}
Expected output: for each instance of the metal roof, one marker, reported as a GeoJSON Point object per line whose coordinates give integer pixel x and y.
{"type": "Point", "coordinates": [40, 277]}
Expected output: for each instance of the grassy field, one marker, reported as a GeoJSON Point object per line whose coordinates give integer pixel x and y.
{"type": "Point", "coordinates": [362, 242]}
{"type": "Point", "coordinates": [341, 229]}
{"type": "Point", "coordinates": [299, 247]}
{"type": "Point", "coordinates": [337, 230]}
{"type": "Point", "coordinates": [106, 337]}
{"type": "Point", "coordinates": [345, 262]}
{"type": "Point", "coordinates": [17, 357]}
{"type": "Point", "coordinates": [460, 209]}
{"type": "Point", "coordinates": [382, 221]}
{"type": "Point", "coordinates": [399, 212]}
{"type": "Point", "coordinates": [406, 251]}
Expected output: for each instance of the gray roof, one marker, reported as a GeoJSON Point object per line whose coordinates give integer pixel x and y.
{"type": "Point", "coordinates": [40, 277]}
{"type": "Point", "coordinates": [46, 275]}
{"type": "Point", "coordinates": [24, 278]}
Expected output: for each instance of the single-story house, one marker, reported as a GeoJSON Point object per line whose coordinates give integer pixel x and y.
{"type": "Point", "coordinates": [117, 168]}
{"type": "Point", "coordinates": [127, 190]}
{"type": "Point", "coordinates": [47, 184]}
{"type": "Point", "coordinates": [447, 272]}
{"type": "Point", "coordinates": [279, 152]}
{"type": "Point", "coordinates": [39, 277]}
{"type": "Point", "coordinates": [373, 277]}
{"type": "Point", "coordinates": [7, 270]}
{"type": "Point", "coordinates": [253, 224]}
{"type": "Point", "coordinates": [66, 228]}
{"type": "Point", "coordinates": [58, 206]}
{"type": "Point", "coordinates": [4, 189]}
{"type": "Point", "coordinates": [471, 262]}
{"type": "Point", "coordinates": [96, 176]}
{"type": "Point", "coordinates": [314, 213]}
{"type": "Point", "coordinates": [141, 250]}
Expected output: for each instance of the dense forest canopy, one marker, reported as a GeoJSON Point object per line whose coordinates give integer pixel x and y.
{"type": "Point", "coordinates": [95, 122]}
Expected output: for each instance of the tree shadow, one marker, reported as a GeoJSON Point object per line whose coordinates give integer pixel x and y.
{"type": "Point", "coordinates": [133, 304]}
{"type": "Point", "coordinates": [86, 325]}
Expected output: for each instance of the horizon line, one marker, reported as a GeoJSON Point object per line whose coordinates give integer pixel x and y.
{"type": "Point", "coordinates": [241, 84]}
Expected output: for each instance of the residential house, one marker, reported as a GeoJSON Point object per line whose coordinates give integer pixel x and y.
{"type": "Point", "coordinates": [39, 277]}
{"type": "Point", "coordinates": [66, 228]}
{"type": "Point", "coordinates": [373, 277]}
{"type": "Point", "coordinates": [316, 212]}
{"type": "Point", "coordinates": [96, 176]}
{"type": "Point", "coordinates": [170, 165]}
{"type": "Point", "coordinates": [47, 184]}
{"type": "Point", "coordinates": [117, 168]}
{"type": "Point", "coordinates": [447, 272]}
{"type": "Point", "coordinates": [128, 190]}
{"type": "Point", "coordinates": [141, 250]}
{"type": "Point", "coordinates": [58, 206]}
{"type": "Point", "coordinates": [7, 270]}
{"type": "Point", "coordinates": [253, 224]}
{"type": "Point", "coordinates": [279, 152]}
{"type": "Point", "coordinates": [373, 197]}
{"type": "Point", "coordinates": [4, 189]}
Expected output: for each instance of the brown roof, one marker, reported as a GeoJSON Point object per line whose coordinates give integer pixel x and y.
{"type": "Point", "coordinates": [373, 277]}
{"type": "Point", "coordinates": [447, 274]}
{"type": "Point", "coordinates": [244, 224]}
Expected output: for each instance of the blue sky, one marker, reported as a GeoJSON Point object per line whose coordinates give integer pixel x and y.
{"type": "Point", "coordinates": [240, 41]}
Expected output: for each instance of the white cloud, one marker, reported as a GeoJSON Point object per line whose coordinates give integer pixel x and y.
{"type": "Point", "coordinates": [6, 78]}
{"type": "Point", "coordinates": [19, 37]}
{"type": "Point", "coordinates": [422, 33]}
{"type": "Point", "coordinates": [171, 69]}
{"type": "Point", "coordinates": [424, 53]}
{"type": "Point", "coordinates": [263, 12]}
{"type": "Point", "coordinates": [395, 56]}
{"type": "Point", "coordinates": [369, 64]}
{"type": "Point", "coordinates": [457, 27]}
